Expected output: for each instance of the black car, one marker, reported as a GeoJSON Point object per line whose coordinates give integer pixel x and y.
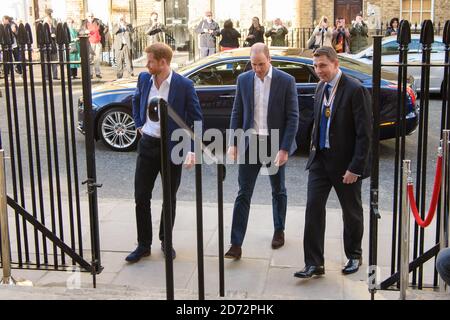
{"type": "Point", "coordinates": [215, 82]}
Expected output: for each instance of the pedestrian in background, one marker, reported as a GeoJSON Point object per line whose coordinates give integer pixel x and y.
{"type": "Point", "coordinates": [74, 48]}
{"type": "Point", "coordinates": [53, 50]}
{"type": "Point", "coordinates": [255, 33]}
{"type": "Point", "coordinates": [230, 36]}
{"type": "Point", "coordinates": [122, 46]}
{"type": "Point", "coordinates": [156, 30]}
{"type": "Point", "coordinates": [207, 30]}
{"type": "Point", "coordinates": [321, 36]}
{"type": "Point", "coordinates": [277, 33]}
{"type": "Point", "coordinates": [359, 33]}
{"type": "Point", "coordinates": [393, 27]}
{"type": "Point", "coordinates": [94, 28]}
{"type": "Point", "coordinates": [341, 36]}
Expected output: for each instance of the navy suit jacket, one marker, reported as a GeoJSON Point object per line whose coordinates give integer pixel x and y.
{"type": "Point", "coordinates": [282, 110]}
{"type": "Point", "coordinates": [182, 98]}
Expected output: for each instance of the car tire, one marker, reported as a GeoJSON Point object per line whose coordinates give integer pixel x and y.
{"type": "Point", "coordinates": [117, 130]}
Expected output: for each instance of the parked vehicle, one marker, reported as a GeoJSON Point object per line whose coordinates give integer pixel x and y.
{"type": "Point", "coordinates": [215, 82]}
{"type": "Point", "coordinates": [390, 54]}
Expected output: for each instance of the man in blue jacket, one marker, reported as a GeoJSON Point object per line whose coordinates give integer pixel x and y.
{"type": "Point", "coordinates": [266, 104]}
{"type": "Point", "coordinates": [179, 92]}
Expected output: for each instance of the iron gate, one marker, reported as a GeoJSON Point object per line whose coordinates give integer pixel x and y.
{"type": "Point", "coordinates": [43, 178]}
{"type": "Point", "coordinates": [419, 256]}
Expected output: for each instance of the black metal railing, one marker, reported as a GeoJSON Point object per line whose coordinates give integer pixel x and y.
{"type": "Point", "coordinates": [43, 184]}
{"type": "Point", "coordinates": [420, 256]}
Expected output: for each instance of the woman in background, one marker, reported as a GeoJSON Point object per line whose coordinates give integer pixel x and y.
{"type": "Point", "coordinates": [230, 36]}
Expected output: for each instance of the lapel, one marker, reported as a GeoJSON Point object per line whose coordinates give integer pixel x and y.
{"type": "Point", "coordinates": [274, 84]}
{"type": "Point", "coordinates": [146, 90]}
{"type": "Point", "coordinates": [251, 91]}
{"type": "Point", "coordinates": [318, 106]}
{"type": "Point", "coordinates": [337, 99]}
{"type": "Point", "coordinates": [173, 85]}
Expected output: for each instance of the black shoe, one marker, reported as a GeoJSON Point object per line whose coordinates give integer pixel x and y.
{"type": "Point", "coordinates": [235, 252]}
{"type": "Point", "coordinates": [278, 239]}
{"type": "Point", "coordinates": [352, 266]}
{"type": "Point", "coordinates": [309, 271]}
{"type": "Point", "coordinates": [174, 254]}
{"type": "Point", "coordinates": [137, 254]}
{"type": "Point", "coordinates": [98, 76]}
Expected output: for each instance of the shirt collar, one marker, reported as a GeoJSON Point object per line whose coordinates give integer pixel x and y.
{"type": "Point", "coordinates": [168, 80]}
{"type": "Point", "coordinates": [332, 83]}
{"type": "Point", "coordinates": [268, 75]}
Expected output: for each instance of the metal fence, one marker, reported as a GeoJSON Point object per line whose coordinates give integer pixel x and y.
{"type": "Point", "coordinates": [43, 179]}
{"type": "Point", "coordinates": [421, 239]}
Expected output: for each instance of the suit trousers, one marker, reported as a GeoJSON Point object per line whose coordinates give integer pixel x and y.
{"type": "Point", "coordinates": [248, 173]}
{"type": "Point", "coordinates": [320, 181]}
{"type": "Point", "coordinates": [124, 58]}
{"type": "Point", "coordinates": [148, 165]}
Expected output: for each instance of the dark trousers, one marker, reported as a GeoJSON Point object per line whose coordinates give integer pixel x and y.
{"type": "Point", "coordinates": [148, 166]}
{"type": "Point", "coordinates": [247, 179]}
{"type": "Point", "coordinates": [320, 182]}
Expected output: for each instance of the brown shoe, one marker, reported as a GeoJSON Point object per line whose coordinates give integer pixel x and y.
{"type": "Point", "coordinates": [235, 252]}
{"type": "Point", "coordinates": [278, 239]}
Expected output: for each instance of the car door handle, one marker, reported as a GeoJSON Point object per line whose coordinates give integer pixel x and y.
{"type": "Point", "coordinates": [226, 96]}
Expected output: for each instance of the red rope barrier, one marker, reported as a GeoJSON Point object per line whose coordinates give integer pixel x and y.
{"type": "Point", "coordinates": [434, 198]}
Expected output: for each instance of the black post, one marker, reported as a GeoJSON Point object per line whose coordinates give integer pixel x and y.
{"type": "Point", "coordinates": [90, 156]}
{"type": "Point", "coordinates": [200, 260]}
{"type": "Point", "coordinates": [167, 199]}
{"type": "Point", "coordinates": [220, 178]}
{"type": "Point", "coordinates": [374, 177]}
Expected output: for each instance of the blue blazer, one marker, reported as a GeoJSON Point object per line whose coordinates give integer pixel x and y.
{"type": "Point", "coordinates": [182, 98]}
{"type": "Point", "coordinates": [282, 110]}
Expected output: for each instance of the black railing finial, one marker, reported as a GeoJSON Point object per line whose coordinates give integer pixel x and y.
{"type": "Point", "coordinates": [427, 33]}
{"type": "Point", "coordinates": [404, 34]}
{"type": "Point", "coordinates": [446, 35]}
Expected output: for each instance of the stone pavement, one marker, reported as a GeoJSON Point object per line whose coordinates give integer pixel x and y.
{"type": "Point", "coordinates": [262, 273]}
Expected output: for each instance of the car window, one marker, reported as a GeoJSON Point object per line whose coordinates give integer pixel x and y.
{"type": "Point", "coordinates": [224, 73]}
{"type": "Point", "coordinates": [300, 72]}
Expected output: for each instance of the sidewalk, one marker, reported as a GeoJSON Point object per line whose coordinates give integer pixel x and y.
{"type": "Point", "coordinates": [262, 273]}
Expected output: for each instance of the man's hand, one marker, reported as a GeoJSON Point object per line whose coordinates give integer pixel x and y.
{"type": "Point", "coordinates": [349, 177]}
{"type": "Point", "coordinates": [189, 162]}
{"type": "Point", "coordinates": [281, 158]}
{"type": "Point", "coordinates": [232, 153]}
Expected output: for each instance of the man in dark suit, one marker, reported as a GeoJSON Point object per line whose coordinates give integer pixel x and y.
{"type": "Point", "coordinates": [180, 94]}
{"type": "Point", "coordinates": [266, 101]}
{"type": "Point", "coordinates": [339, 158]}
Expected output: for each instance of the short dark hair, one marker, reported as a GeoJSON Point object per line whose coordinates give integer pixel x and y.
{"type": "Point", "coordinates": [329, 52]}
{"type": "Point", "coordinates": [228, 24]}
{"type": "Point", "coordinates": [160, 51]}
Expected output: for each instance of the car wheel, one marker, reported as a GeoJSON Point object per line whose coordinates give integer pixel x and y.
{"type": "Point", "coordinates": [117, 130]}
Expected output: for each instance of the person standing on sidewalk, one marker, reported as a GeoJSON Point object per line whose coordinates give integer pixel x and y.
{"type": "Point", "coordinates": [266, 101]}
{"type": "Point", "coordinates": [277, 33]}
{"type": "Point", "coordinates": [122, 46]}
{"type": "Point", "coordinates": [179, 92]}
{"type": "Point", "coordinates": [208, 31]}
{"type": "Point", "coordinates": [74, 48]}
{"type": "Point", "coordinates": [339, 159]}
{"type": "Point", "coordinates": [92, 26]}
{"type": "Point", "coordinates": [157, 29]}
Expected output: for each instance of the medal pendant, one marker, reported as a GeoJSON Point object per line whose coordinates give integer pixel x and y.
{"type": "Point", "coordinates": [327, 111]}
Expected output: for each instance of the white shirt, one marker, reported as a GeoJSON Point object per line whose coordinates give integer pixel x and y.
{"type": "Point", "coordinates": [262, 93]}
{"type": "Point", "coordinates": [152, 128]}
{"type": "Point", "coordinates": [332, 83]}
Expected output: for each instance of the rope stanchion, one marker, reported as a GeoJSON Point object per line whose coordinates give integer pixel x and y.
{"type": "Point", "coordinates": [434, 199]}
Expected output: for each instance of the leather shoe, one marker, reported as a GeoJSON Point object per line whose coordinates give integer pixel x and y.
{"type": "Point", "coordinates": [174, 254]}
{"type": "Point", "coordinates": [352, 266]}
{"type": "Point", "coordinates": [235, 252]}
{"type": "Point", "coordinates": [309, 271]}
{"type": "Point", "coordinates": [137, 254]}
{"type": "Point", "coordinates": [278, 239]}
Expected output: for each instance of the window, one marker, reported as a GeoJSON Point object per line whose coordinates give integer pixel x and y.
{"type": "Point", "coordinates": [389, 48]}
{"type": "Point", "coordinates": [300, 72]}
{"type": "Point", "coordinates": [415, 11]}
{"type": "Point", "coordinates": [224, 73]}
